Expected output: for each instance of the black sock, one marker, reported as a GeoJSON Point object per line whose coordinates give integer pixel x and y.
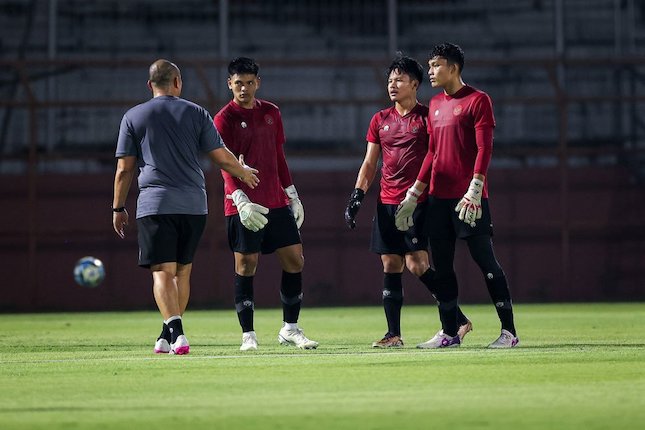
{"type": "Point", "coordinates": [165, 333]}
{"type": "Point", "coordinates": [291, 296]}
{"type": "Point", "coordinates": [447, 303]}
{"type": "Point", "coordinates": [428, 279]}
{"type": "Point", "coordinates": [176, 329]}
{"type": "Point", "coordinates": [501, 297]}
{"type": "Point", "coordinates": [393, 301]}
{"type": "Point", "coordinates": [244, 304]}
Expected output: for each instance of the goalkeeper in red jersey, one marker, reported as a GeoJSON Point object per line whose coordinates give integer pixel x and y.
{"type": "Point", "coordinates": [399, 135]}
{"type": "Point", "coordinates": [265, 219]}
{"type": "Point", "coordinates": [460, 129]}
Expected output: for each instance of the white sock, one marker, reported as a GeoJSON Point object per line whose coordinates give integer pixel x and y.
{"type": "Point", "coordinates": [291, 326]}
{"type": "Point", "coordinates": [172, 318]}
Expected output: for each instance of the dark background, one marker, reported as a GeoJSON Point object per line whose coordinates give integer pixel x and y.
{"type": "Point", "coordinates": [566, 78]}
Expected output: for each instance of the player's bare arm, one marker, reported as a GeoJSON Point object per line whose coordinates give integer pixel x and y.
{"type": "Point", "coordinates": [366, 176]}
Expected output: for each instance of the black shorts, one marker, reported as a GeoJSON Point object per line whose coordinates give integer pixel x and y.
{"type": "Point", "coordinates": [280, 231]}
{"type": "Point", "coordinates": [169, 238]}
{"type": "Point", "coordinates": [387, 239]}
{"type": "Point", "coordinates": [442, 222]}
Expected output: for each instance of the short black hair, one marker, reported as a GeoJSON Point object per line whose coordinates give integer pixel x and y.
{"type": "Point", "coordinates": [451, 52]}
{"type": "Point", "coordinates": [407, 65]}
{"type": "Point", "coordinates": [243, 66]}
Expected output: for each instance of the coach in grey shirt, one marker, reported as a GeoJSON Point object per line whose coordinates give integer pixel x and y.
{"type": "Point", "coordinates": [164, 138]}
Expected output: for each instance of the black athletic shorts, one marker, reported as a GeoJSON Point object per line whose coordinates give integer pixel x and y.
{"type": "Point", "coordinates": [442, 222]}
{"type": "Point", "coordinates": [169, 238]}
{"type": "Point", "coordinates": [387, 239]}
{"type": "Point", "coordinates": [280, 231]}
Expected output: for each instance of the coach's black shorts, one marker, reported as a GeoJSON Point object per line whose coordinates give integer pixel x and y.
{"type": "Point", "coordinates": [387, 239]}
{"type": "Point", "coordinates": [442, 222]}
{"type": "Point", "coordinates": [280, 231]}
{"type": "Point", "coordinates": [169, 238]}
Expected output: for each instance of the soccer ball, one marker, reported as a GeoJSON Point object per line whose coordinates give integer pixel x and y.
{"type": "Point", "coordinates": [89, 272]}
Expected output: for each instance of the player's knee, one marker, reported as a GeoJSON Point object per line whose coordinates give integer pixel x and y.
{"type": "Point", "coordinates": [246, 266]}
{"type": "Point", "coordinates": [392, 263]}
{"type": "Point", "coordinates": [294, 264]}
{"type": "Point", "coordinates": [417, 268]}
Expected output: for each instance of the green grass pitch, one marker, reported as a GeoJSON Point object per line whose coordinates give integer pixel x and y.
{"type": "Point", "coordinates": [578, 366]}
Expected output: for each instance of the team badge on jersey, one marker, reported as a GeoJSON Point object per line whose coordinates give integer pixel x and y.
{"type": "Point", "coordinates": [414, 127]}
{"type": "Point", "coordinates": [386, 128]}
{"type": "Point", "coordinates": [457, 110]}
{"type": "Point", "coordinates": [243, 124]}
{"type": "Point", "coordinates": [436, 113]}
{"type": "Point", "coordinates": [268, 119]}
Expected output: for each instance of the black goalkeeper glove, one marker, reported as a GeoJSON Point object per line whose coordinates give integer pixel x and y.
{"type": "Point", "coordinates": [353, 205]}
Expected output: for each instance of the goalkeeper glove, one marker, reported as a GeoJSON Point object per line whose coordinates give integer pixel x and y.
{"type": "Point", "coordinates": [297, 208]}
{"type": "Point", "coordinates": [251, 214]}
{"type": "Point", "coordinates": [470, 205]}
{"type": "Point", "coordinates": [353, 205]}
{"type": "Point", "coordinates": [403, 216]}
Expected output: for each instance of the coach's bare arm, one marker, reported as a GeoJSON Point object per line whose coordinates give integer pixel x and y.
{"type": "Point", "coordinates": [125, 168]}
{"type": "Point", "coordinates": [227, 162]}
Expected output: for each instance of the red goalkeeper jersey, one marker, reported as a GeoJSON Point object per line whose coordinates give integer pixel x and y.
{"type": "Point", "coordinates": [404, 143]}
{"type": "Point", "coordinates": [258, 135]}
{"type": "Point", "coordinates": [460, 129]}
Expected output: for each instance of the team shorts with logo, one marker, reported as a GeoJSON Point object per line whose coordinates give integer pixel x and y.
{"type": "Point", "coordinates": [169, 238]}
{"type": "Point", "coordinates": [387, 239]}
{"type": "Point", "coordinates": [442, 222]}
{"type": "Point", "coordinates": [280, 231]}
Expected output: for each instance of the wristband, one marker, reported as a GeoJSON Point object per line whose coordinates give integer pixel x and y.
{"type": "Point", "coordinates": [121, 209]}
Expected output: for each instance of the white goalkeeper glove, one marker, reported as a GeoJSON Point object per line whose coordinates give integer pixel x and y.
{"type": "Point", "coordinates": [296, 205]}
{"type": "Point", "coordinates": [470, 205]}
{"type": "Point", "coordinates": [403, 216]}
{"type": "Point", "coordinates": [251, 214]}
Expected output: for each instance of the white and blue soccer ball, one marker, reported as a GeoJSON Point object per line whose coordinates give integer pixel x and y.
{"type": "Point", "coordinates": [89, 272]}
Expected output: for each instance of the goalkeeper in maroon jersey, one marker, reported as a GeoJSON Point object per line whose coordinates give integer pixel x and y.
{"type": "Point", "coordinates": [265, 219]}
{"type": "Point", "coordinates": [460, 129]}
{"type": "Point", "coordinates": [399, 134]}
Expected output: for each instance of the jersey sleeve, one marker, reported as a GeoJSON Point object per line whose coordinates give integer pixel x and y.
{"type": "Point", "coordinates": [372, 131]}
{"type": "Point", "coordinates": [484, 124]}
{"type": "Point", "coordinates": [126, 143]}
{"type": "Point", "coordinates": [280, 138]}
{"type": "Point", "coordinates": [283, 169]}
{"type": "Point", "coordinates": [426, 167]}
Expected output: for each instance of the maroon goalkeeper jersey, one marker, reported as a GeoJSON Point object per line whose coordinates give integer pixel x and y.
{"type": "Point", "coordinates": [258, 135]}
{"type": "Point", "coordinates": [404, 143]}
{"type": "Point", "coordinates": [461, 141]}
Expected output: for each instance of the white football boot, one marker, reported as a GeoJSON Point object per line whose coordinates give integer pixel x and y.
{"type": "Point", "coordinates": [249, 341]}
{"type": "Point", "coordinates": [440, 340]}
{"type": "Point", "coordinates": [162, 346]}
{"type": "Point", "coordinates": [180, 347]}
{"type": "Point", "coordinates": [505, 340]}
{"type": "Point", "coordinates": [296, 337]}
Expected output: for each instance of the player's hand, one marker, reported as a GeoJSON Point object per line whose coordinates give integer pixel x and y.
{"type": "Point", "coordinates": [249, 176]}
{"type": "Point", "coordinates": [353, 206]}
{"type": "Point", "coordinates": [119, 222]}
{"type": "Point", "coordinates": [470, 205]}
{"type": "Point", "coordinates": [297, 208]}
{"type": "Point", "coordinates": [403, 215]}
{"type": "Point", "coordinates": [251, 214]}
